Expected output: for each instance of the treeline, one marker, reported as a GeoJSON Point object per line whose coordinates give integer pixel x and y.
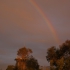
{"type": "Point", "coordinates": [24, 61]}
{"type": "Point", "coordinates": [59, 58]}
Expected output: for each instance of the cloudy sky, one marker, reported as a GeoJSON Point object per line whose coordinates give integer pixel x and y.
{"type": "Point", "coordinates": [22, 23]}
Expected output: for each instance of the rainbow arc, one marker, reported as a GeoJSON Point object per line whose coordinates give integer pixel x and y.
{"type": "Point", "coordinates": [48, 22]}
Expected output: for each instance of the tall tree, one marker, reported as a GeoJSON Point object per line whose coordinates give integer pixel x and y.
{"type": "Point", "coordinates": [25, 60]}
{"type": "Point", "coordinates": [23, 55]}
{"type": "Point", "coordinates": [59, 58]}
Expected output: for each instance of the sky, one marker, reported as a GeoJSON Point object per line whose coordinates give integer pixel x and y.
{"type": "Point", "coordinates": [36, 24]}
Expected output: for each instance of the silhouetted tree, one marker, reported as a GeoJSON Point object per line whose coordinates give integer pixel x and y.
{"type": "Point", "coordinates": [59, 58]}
{"type": "Point", "coordinates": [25, 61]}
{"type": "Point", "coordinates": [23, 55]}
{"type": "Point", "coordinates": [32, 64]}
{"type": "Point", "coordinates": [10, 67]}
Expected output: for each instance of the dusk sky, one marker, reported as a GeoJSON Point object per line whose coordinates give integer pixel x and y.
{"type": "Point", "coordinates": [36, 24]}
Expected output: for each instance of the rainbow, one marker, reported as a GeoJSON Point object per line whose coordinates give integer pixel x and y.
{"type": "Point", "coordinates": [46, 20]}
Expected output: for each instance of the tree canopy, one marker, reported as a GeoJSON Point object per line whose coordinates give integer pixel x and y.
{"type": "Point", "coordinates": [59, 58]}
{"type": "Point", "coordinates": [24, 52]}
{"type": "Point", "coordinates": [32, 64]}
